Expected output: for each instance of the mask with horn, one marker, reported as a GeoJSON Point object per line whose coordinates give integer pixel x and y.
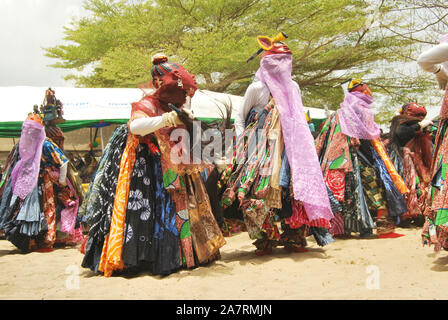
{"type": "Point", "coordinates": [271, 46]}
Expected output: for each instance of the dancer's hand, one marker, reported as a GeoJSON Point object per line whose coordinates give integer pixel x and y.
{"type": "Point", "coordinates": [424, 123]}
{"type": "Point", "coordinates": [221, 164]}
{"type": "Point", "coordinates": [171, 119]}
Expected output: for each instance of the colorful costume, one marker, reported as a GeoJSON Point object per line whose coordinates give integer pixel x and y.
{"type": "Point", "coordinates": [435, 230]}
{"type": "Point", "coordinates": [356, 168]}
{"type": "Point", "coordinates": [410, 149]}
{"type": "Point", "coordinates": [39, 203]}
{"type": "Point", "coordinates": [146, 209]}
{"type": "Point", "coordinates": [275, 174]}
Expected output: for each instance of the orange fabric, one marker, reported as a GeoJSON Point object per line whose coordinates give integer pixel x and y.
{"type": "Point", "coordinates": [396, 178]}
{"type": "Point", "coordinates": [362, 88]}
{"type": "Point", "coordinates": [49, 207]}
{"type": "Point", "coordinates": [35, 117]}
{"type": "Point", "coordinates": [113, 244]}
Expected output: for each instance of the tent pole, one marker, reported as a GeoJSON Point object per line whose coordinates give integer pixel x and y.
{"type": "Point", "coordinates": [102, 143]}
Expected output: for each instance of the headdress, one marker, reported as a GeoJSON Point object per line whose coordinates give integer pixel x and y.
{"type": "Point", "coordinates": [52, 108]}
{"type": "Point", "coordinates": [170, 73]}
{"type": "Point", "coordinates": [271, 46]}
{"type": "Point", "coordinates": [356, 85]}
{"type": "Point", "coordinates": [413, 109]}
{"type": "Point", "coordinates": [35, 117]}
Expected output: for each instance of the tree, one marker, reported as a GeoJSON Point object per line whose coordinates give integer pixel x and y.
{"type": "Point", "coordinates": [331, 40]}
{"type": "Point", "coordinates": [422, 23]}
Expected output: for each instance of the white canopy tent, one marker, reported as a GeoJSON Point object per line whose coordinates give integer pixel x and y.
{"type": "Point", "coordinates": [96, 104]}
{"type": "Point", "coordinates": [99, 107]}
{"type": "Point", "coordinates": [100, 103]}
{"type": "Point", "coordinates": [110, 103]}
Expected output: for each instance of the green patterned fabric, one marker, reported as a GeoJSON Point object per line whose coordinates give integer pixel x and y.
{"type": "Point", "coordinates": [372, 187]}
{"type": "Point", "coordinates": [442, 217]}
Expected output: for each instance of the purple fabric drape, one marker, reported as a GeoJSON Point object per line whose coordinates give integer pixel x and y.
{"type": "Point", "coordinates": [70, 211]}
{"type": "Point", "coordinates": [356, 118]}
{"type": "Point", "coordinates": [26, 172]}
{"type": "Point", "coordinates": [308, 183]}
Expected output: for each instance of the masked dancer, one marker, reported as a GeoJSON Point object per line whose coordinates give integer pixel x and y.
{"type": "Point", "coordinates": [147, 206]}
{"type": "Point", "coordinates": [275, 175]}
{"type": "Point", "coordinates": [435, 230]}
{"type": "Point", "coordinates": [357, 169]}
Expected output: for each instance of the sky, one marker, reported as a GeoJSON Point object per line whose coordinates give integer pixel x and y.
{"type": "Point", "coordinates": [27, 26]}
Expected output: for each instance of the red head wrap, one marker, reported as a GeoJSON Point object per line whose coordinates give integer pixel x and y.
{"type": "Point", "coordinates": [277, 48]}
{"type": "Point", "coordinates": [172, 74]}
{"type": "Point", "coordinates": [413, 109]}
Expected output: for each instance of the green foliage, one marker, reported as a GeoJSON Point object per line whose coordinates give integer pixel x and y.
{"type": "Point", "coordinates": [331, 40]}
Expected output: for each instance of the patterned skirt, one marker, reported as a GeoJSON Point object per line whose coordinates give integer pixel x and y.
{"type": "Point", "coordinates": [271, 216]}
{"type": "Point", "coordinates": [147, 227]}
{"type": "Point", "coordinates": [435, 229]}
{"type": "Point", "coordinates": [368, 192]}
{"type": "Point", "coordinates": [47, 215]}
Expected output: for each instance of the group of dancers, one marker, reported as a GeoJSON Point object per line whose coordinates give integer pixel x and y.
{"type": "Point", "coordinates": [145, 210]}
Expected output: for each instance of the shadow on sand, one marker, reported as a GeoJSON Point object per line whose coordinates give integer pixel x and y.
{"type": "Point", "coordinates": [440, 265]}
{"type": "Point", "coordinates": [244, 255]}
{"type": "Point", "coordinates": [10, 252]}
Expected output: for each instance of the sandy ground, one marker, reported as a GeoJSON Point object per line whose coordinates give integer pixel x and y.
{"type": "Point", "coordinates": [346, 269]}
